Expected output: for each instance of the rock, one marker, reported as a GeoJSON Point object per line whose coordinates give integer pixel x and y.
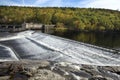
{"type": "Point", "coordinates": [28, 74]}
{"type": "Point", "coordinates": [31, 70]}
{"type": "Point", "coordinates": [3, 72]}
{"type": "Point", "coordinates": [44, 74]}
{"type": "Point", "coordinates": [60, 71]}
{"type": "Point", "coordinates": [107, 73]}
{"type": "Point", "coordinates": [36, 63]}
{"type": "Point", "coordinates": [88, 66]}
{"type": "Point", "coordinates": [18, 76]}
{"type": "Point", "coordinates": [115, 69]}
{"type": "Point", "coordinates": [4, 77]}
{"type": "Point", "coordinates": [82, 74]}
{"type": "Point", "coordinates": [92, 71]}
{"type": "Point", "coordinates": [97, 78]}
{"type": "Point", "coordinates": [4, 68]}
{"type": "Point", "coordinates": [50, 70]}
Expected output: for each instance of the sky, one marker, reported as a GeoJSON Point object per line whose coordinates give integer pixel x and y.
{"type": "Point", "coordinates": [106, 4]}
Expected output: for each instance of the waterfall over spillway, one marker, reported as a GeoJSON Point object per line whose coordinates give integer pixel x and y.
{"type": "Point", "coordinates": [6, 54]}
{"type": "Point", "coordinates": [40, 46]}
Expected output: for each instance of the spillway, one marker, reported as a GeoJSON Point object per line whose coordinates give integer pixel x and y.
{"type": "Point", "coordinates": [40, 46]}
{"type": "Point", "coordinates": [7, 54]}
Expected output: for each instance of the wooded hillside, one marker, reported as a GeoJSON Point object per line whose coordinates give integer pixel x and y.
{"type": "Point", "coordinates": [72, 18]}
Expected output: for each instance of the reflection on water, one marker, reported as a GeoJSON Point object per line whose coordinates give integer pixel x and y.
{"type": "Point", "coordinates": [104, 39]}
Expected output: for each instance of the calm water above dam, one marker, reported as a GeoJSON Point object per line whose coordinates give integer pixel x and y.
{"type": "Point", "coordinates": [103, 39]}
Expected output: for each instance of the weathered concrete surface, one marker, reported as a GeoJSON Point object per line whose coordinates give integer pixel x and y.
{"type": "Point", "coordinates": [49, 70]}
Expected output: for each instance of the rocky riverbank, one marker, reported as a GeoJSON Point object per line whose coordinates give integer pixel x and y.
{"type": "Point", "coordinates": [49, 70]}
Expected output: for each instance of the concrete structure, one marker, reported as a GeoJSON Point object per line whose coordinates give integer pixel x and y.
{"type": "Point", "coordinates": [25, 26]}
{"type": "Point", "coordinates": [11, 28]}
{"type": "Point", "coordinates": [32, 26]}
{"type": "Point", "coordinates": [38, 26]}
{"type": "Point", "coordinates": [48, 28]}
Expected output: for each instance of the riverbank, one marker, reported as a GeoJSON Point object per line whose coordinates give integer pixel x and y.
{"type": "Point", "coordinates": [50, 70]}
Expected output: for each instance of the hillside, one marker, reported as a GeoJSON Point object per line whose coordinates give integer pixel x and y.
{"type": "Point", "coordinates": [72, 18]}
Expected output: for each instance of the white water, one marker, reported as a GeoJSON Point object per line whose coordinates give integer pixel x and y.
{"type": "Point", "coordinates": [18, 36]}
{"type": "Point", "coordinates": [43, 46]}
{"type": "Point", "coordinates": [11, 55]}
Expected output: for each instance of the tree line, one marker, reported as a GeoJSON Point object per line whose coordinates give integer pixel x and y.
{"type": "Point", "coordinates": [71, 18]}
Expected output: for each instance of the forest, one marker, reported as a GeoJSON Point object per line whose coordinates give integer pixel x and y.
{"type": "Point", "coordinates": [89, 19]}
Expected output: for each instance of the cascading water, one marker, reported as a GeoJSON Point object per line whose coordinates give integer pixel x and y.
{"type": "Point", "coordinates": [6, 54]}
{"type": "Point", "coordinates": [36, 45]}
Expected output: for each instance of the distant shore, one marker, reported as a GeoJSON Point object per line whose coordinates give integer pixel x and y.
{"type": "Point", "coordinates": [88, 19]}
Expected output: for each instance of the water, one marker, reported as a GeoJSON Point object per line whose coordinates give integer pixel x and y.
{"type": "Point", "coordinates": [103, 39]}
{"type": "Point", "coordinates": [37, 46]}
{"type": "Point", "coordinates": [6, 54]}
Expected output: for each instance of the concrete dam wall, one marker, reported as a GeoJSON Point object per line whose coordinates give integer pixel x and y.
{"type": "Point", "coordinates": [25, 26]}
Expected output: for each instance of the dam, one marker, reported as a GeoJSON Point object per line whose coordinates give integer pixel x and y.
{"type": "Point", "coordinates": [24, 26]}
{"type": "Point", "coordinates": [40, 46]}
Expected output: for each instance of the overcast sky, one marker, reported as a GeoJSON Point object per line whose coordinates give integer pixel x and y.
{"type": "Point", "coordinates": [107, 4]}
